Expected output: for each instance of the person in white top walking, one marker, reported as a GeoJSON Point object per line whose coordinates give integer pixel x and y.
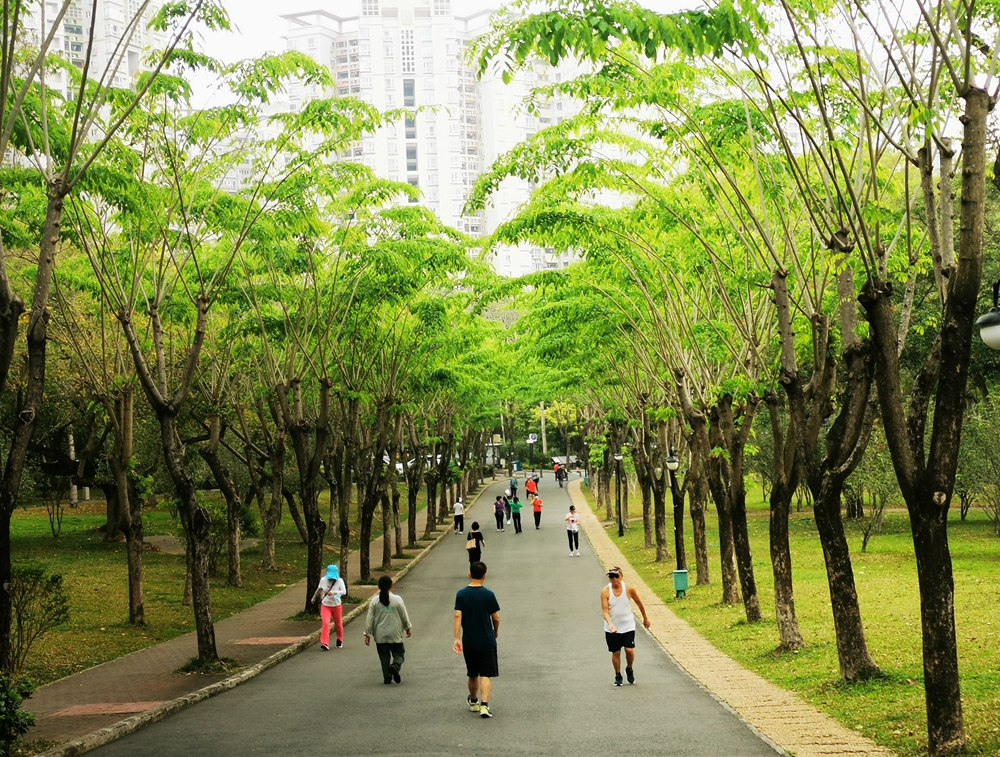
{"type": "Point", "coordinates": [573, 531]}
{"type": "Point", "coordinates": [619, 622]}
{"type": "Point", "coordinates": [459, 516]}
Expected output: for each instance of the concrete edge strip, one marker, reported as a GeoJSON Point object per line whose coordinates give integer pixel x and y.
{"type": "Point", "coordinates": [608, 549]}
{"type": "Point", "coordinates": [124, 727]}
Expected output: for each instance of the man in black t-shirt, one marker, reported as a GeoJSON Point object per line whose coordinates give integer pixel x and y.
{"type": "Point", "coordinates": [477, 626]}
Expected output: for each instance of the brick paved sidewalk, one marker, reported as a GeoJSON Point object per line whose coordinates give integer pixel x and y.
{"type": "Point", "coordinates": [797, 727]}
{"type": "Point", "coordinates": [90, 708]}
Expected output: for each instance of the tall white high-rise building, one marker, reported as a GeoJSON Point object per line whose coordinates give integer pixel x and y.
{"type": "Point", "coordinates": [119, 38]}
{"type": "Point", "coordinates": [411, 54]}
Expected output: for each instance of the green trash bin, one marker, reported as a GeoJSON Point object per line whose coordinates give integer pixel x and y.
{"type": "Point", "coordinates": [586, 480]}
{"type": "Point", "coordinates": [680, 583]}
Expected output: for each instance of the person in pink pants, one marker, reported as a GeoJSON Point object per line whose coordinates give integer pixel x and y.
{"type": "Point", "coordinates": [331, 588]}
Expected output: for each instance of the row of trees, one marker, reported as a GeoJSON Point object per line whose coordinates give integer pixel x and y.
{"type": "Point", "coordinates": [303, 331]}
{"type": "Point", "coordinates": [765, 197]}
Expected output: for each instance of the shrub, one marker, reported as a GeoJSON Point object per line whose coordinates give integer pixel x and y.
{"type": "Point", "coordinates": [14, 722]}
{"type": "Point", "coordinates": [38, 604]}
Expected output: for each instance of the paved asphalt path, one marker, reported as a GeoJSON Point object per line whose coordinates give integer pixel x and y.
{"type": "Point", "coordinates": [554, 695]}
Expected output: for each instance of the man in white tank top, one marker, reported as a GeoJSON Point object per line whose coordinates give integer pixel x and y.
{"type": "Point", "coordinates": [619, 622]}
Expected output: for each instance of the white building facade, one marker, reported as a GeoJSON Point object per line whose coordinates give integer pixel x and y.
{"type": "Point", "coordinates": [120, 38]}
{"type": "Point", "coordinates": [411, 54]}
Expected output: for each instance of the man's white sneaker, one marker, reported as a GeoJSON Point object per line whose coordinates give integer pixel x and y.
{"type": "Point", "coordinates": [577, 553]}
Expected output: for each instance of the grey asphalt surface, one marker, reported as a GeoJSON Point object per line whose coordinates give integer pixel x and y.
{"type": "Point", "coordinates": [554, 695]}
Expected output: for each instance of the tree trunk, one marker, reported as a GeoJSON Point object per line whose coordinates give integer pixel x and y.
{"type": "Point", "coordinates": [926, 472]}
{"type": "Point", "coordinates": [234, 506]}
{"type": "Point", "coordinates": [696, 496]}
{"type": "Point", "coordinates": [660, 516]}
{"type": "Point", "coordinates": [396, 530]}
{"type": "Point", "coordinates": [196, 522]}
{"type": "Point", "coordinates": [33, 396]}
{"type": "Point", "coordinates": [119, 463]}
{"type": "Point", "coordinates": [431, 482]}
{"type": "Point", "coordinates": [308, 461]}
{"type": "Point", "coordinates": [412, 493]}
{"type": "Point", "coordinates": [647, 513]}
{"type": "Point", "coordinates": [727, 482]}
{"type": "Point", "coordinates": [781, 565]}
{"type": "Point", "coordinates": [677, 497]}
{"type": "Point", "coordinates": [386, 508]}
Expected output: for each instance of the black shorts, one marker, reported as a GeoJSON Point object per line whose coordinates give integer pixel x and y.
{"type": "Point", "coordinates": [481, 662]}
{"type": "Point", "coordinates": [618, 640]}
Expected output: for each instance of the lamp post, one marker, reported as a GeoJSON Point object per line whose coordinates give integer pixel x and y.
{"type": "Point", "coordinates": [618, 491]}
{"type": "Point", "coordinates": [989, 324]}
{"type": "Point", "coordinates": [673, 464]}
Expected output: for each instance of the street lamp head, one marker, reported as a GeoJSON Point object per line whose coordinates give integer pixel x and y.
{"type": "Point", "coordinates": [989, 324]}
{"type": "Point", "coordinates": [672, 462]}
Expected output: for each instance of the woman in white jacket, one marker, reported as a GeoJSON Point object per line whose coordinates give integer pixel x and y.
{"type": "Point", "coordinates": [387, 620]}
{"type": "Point", "coordinates": [331, 588]}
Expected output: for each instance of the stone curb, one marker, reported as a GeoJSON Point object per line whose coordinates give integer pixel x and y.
{"type": "Point", "coordinates": [114, 732]}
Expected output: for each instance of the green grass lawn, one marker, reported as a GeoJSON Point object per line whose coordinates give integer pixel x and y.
{"type": "Point", "coordinates": [94, 574]}
{"type": "Point", "coordinates": [890, 711]}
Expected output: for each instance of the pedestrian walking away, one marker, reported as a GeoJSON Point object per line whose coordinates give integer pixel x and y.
{"type": "Point", "coordinates": [573, 531]}
{"type": "Point", "coordinates": [506, 504]}
{"type": "Point", "coordinates": [536, 505]}
{"type": "Point", "coordinates": [459, 516]}
{"type": "Point", "coordinates": [331, 588]}
{"type": "Point", "coordinates": [619, 622]}
{"type": "Point", "coordinates": [515, 513]}
{"type": "Point", "coordinates": [474, 543]}
{"type": "Point", "coordinates": [387, 622]}
{"type": "Point", "coordinates": [477, 627]}
{"type": "Point", "coordinates": [513, 486]}
{"type": "Point", "coordinates": [557, 469]}
{"type": "Point", "coordinates": [498, 512]}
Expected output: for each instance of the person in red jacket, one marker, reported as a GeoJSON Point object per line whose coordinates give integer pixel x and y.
{"type": "Point", "coordinates": [531, 487]}
{"type": "Point", "coordinates": [536, 504]}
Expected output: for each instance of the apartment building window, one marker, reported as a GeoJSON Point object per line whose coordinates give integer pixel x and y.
{"type": "Point", "coordinates": [428, 67]}
{"type": "Point", "coordinates": [432, 162]}
{"type": "Point", "coordinates": [409, 92]}
{"type": "Point", "coordinates": [369, 7]}
{"type": "Point", "coordinates": [410, 131]}
{"type": "Point", "coordinates": [407, 52]}
{"type": "Point", "coordinates": [442, 7]}
{"type": "Point", "coordinates": [432, 179]}
{"type": "Point", "coordinates": [393, 164]}
{"type": "Point", "coordinates": [411, 157]}
{"type": "Point", "coordinates": [312, 43]}
{"type": "Point", "coordinates": [72, 29]}
{"type": "Point", "coordinates": [392, 148]}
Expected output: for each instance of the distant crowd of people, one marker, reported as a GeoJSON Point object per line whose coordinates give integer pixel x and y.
{"type": "Point", "coordinates": [477, 610]}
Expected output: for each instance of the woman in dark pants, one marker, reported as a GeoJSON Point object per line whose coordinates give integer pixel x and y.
{"type": "Point", "coordinates": [474, 543]}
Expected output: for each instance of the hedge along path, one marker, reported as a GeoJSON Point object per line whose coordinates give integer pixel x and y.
{"type": "Point", "coordinates": [777, 715]}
